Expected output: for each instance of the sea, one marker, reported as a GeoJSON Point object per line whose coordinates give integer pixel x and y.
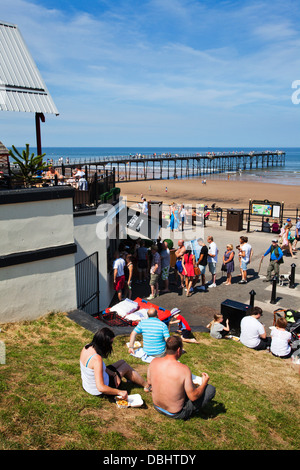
{"type": "Point", "coordinates": [289, 174]}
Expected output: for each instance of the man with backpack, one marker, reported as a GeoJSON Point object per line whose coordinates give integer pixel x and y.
{"type": "Point", "coordinates": [276, 258]}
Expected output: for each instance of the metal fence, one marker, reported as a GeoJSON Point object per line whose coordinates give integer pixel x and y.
{"type": "Point", "coordinates": [87, 284]}
{"type": "Point", "coordinates": [218, 215]}
{"type": "Point", "coordinates": [96, 186]}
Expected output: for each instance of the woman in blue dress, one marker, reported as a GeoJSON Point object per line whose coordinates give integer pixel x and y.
{"type": "Point", "coordinates": [173, 217]}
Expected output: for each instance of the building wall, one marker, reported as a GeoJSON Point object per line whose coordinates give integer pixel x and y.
{"type": "Point", "coordinates": [37, 253]}
{"type": "Point", "coordinates": [40, 243]}
{"type": "Point", "coordinates": [96, 233]}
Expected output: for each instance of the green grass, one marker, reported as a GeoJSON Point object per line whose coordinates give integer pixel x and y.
{"type": "Point", "coordinates": [43, 405]}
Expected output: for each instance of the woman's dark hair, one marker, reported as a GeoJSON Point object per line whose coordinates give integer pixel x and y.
{"type": "Point", "coordinates": [102, 342]}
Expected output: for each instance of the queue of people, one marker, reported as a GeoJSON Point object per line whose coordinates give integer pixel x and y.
{"type": "Point", "coordinates": [152, 265]}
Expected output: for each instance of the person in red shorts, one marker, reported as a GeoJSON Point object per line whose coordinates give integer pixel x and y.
{"type": "Point", "coordinates": [119, 275]}
{"type": "Point", "coordinates": [184, 328]}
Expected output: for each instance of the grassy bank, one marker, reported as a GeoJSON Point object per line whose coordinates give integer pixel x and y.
{"type": "Point", "coordinates": [43, 406]}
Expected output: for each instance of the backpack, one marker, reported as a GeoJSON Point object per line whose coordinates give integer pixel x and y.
{"type": "Point", "coordinates": [280, 261]}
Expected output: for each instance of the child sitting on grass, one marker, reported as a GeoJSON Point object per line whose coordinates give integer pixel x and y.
{"type": "Point", "coordinates": [217, 330]}
{"type": "Point", "coordinates": [184, 328]}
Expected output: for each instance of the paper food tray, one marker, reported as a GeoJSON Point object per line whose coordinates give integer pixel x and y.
{"type": "Point", "coordinates": [134, 401]}
{"type": "Point", "coordinates": [196, 379]}
{"type": "Point", "coordinates": [136, 345]}
{"type": "Point", "coordinates": [234, 338]}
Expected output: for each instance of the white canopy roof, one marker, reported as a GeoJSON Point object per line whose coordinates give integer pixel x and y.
{"type": "Point", "coordinates": [21, 85]}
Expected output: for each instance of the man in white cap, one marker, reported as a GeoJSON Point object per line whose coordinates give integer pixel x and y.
{"type": "Point", "coordinates": [276, 258]}
{"type": "Point", "coordinates": [184, 328]}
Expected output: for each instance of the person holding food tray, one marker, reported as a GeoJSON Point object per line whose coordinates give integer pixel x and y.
{"type": "Point", "coordinates": [173, 392]}
{"type": "Point", "coordinates": [97, 378]}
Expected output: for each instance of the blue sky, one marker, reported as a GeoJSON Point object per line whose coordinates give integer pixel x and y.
{"type": "Point", "coordinates": [161, 72]}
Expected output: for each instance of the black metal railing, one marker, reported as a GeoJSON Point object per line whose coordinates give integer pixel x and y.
{"type": "Point", "coordinates": [87, 284]}
{"type": "Point", "coordinates": [93, 187]}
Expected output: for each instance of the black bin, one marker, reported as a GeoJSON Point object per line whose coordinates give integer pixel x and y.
{"type": "Point", "coordinates": [234, 312]}
{"type": "Point", "coordinates": [235, 220]}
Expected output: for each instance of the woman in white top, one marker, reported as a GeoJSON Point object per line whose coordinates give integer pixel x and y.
{"type": "Point", "coordinates": [281, 338]}
{"type": "Point", "coordinates": [97, 378]}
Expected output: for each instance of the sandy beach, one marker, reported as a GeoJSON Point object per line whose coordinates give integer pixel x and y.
{"type": "Point", "coordinates": [226, 194]}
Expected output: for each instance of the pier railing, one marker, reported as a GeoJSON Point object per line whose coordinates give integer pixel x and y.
{"type": "Point", "coordinates": [172, 166]}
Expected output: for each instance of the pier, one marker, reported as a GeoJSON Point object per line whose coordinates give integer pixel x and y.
{"type": "Point", "coordinates": [171, 166]}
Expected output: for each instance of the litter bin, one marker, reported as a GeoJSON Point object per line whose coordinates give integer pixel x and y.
{"type": "Point", "coordinates": [235, 220]}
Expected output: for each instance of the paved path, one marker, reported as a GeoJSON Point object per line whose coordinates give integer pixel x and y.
{"type": "Point", "coordinates": [201, 306]}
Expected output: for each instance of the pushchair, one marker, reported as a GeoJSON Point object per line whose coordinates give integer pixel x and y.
{"type": "Point", "coordinates": [293, 324]}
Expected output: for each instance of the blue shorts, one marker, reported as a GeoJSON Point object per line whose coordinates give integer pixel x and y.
{"type": "Point", "coordinates": [244, 265]}
{"type": "Point", "coordinates": [179, 266]}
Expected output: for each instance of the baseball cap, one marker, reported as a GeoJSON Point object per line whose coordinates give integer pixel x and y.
{"type": "Point", "coordinates": [174, 311]}
{"type": "Point", "coordinates": [275, 240]}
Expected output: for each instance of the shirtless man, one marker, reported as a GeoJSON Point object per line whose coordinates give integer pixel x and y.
{"type": "Point", "coordinates": [178, 266]}
{"type": "Point", "coordinates": [173, 391]}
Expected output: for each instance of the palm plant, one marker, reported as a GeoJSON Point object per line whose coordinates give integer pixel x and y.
{"type": "Point", "coordinates": [29, 165]}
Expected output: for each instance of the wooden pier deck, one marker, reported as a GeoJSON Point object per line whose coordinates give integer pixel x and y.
{"type": "Point", "coordinates": [170, 166]}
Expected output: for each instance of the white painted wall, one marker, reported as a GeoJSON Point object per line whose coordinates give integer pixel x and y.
{"type": "Point", "coordinates": [35, 225]}
{"type": "Point", "coordinates": [30, 290]}
{"type": "Point", "coordinates": [90, 235]}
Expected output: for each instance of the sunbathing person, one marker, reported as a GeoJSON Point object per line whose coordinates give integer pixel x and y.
{"type": "Point", "coordinates": [173, 392]}
{"type": "Point", "coordinates": [97, 378]}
